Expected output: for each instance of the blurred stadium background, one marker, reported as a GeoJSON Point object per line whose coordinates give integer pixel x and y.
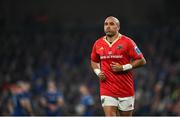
{"type": "Point", "coordinates": [42, 40]}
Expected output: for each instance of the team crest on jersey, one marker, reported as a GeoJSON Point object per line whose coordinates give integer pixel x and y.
{"type": "Point", "coordinates": [119, 47]}
{"type": "Point", "coordinates": [137, 50]}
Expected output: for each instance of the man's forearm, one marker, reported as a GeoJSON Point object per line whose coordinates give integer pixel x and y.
{"type": "Point", "coordinates": [28, 107]}
{"type": "Point", "coordinates": [138, 63]}
{"type": "Point", "coordinates": [96, 67]}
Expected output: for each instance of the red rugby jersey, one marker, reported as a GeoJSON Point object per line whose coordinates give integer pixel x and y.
{"type": "Point", "coordinates": [122, 50]}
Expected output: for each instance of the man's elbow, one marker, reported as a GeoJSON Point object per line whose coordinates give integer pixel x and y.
{"type": "Point", "coordinates": [95, 65]}
{"type": "Point", "coordinates": [143, 61]}
{"type": "Point", "coordinates": [92, 63]}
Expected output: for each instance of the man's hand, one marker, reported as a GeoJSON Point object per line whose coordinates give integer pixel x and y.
{"type": "Point", "coordinates": [116, 67]}
{"type": "Point", "coordinates": [101, 76]}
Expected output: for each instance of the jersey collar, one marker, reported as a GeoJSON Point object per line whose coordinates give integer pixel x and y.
{"type": "Point", "coordinates": [110, 45]}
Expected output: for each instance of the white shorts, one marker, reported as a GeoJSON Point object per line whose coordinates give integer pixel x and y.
{"type": "Point", "coordinates": [123, 104]}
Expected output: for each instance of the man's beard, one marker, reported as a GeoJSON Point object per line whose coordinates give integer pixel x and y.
{"type": "Point", "coordinates": [110, 34]}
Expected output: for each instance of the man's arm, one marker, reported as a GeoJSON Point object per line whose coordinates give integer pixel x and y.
{"type": "Point", "coordinates": [116, 67]}
{"type": "Point", "coordinates": [43, 102]}
{"type": "Point", "coordinates": [10, 106]}
{"type": "Point", "coordinates": [60, 101]}
{"type": "Point", "coordinates": [138, 63]}
{"type": "Point", "coordinates": [96, 67]}
{"type": "Point", "coordinates": [26, 104]}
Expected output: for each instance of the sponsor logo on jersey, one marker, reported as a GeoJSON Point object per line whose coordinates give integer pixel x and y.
{"type": "Point", "coordinates": [111, 56]}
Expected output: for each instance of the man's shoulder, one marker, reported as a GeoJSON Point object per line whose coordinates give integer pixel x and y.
{"type": "Point", "coordinates": [126, 38]}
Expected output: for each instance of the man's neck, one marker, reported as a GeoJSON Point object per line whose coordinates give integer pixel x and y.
{"type": "Point", "coordinates": [113, 38]}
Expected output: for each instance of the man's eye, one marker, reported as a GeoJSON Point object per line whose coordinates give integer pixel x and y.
{"type": "Point", "coordinates": [105, 23]}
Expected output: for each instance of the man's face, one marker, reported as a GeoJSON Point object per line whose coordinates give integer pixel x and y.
{"type": "Point", "coordinates": [111, 26]}
{"type": "Point", "coordinates": [51, 85]}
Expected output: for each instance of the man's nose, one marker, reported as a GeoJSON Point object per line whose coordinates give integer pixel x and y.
{"type": "Point", "coordinates": [108, 27]}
